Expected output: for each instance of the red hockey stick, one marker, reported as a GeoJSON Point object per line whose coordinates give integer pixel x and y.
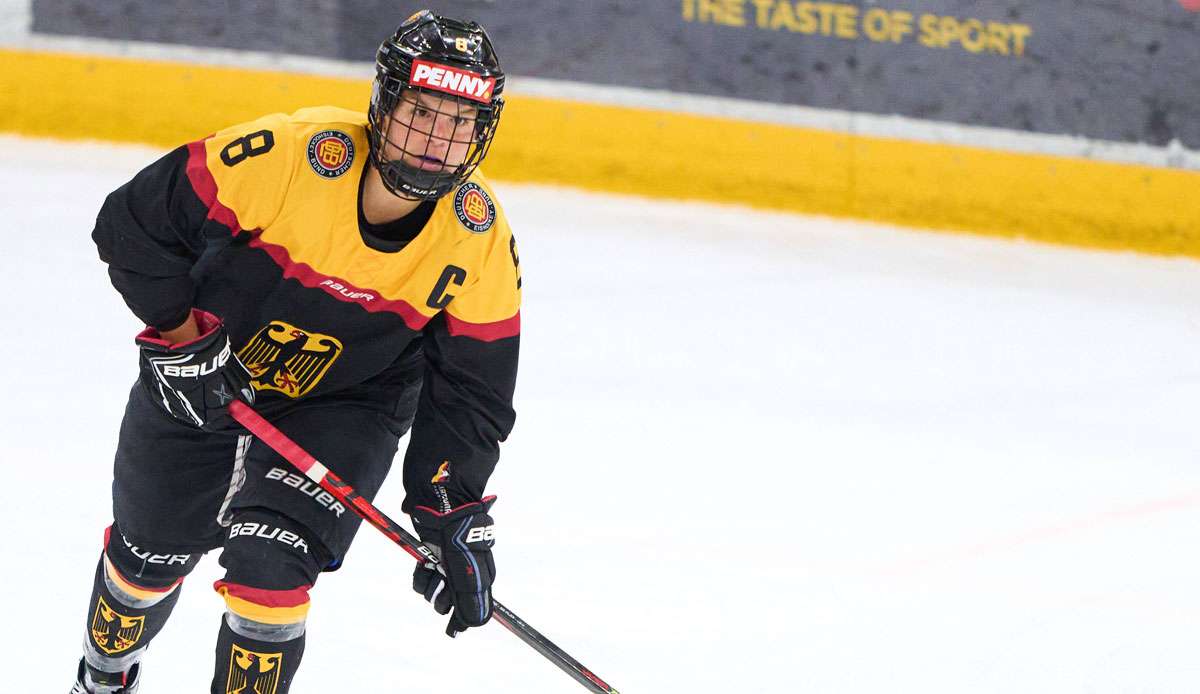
{"type": "Point", "coordinates": [317, 472]}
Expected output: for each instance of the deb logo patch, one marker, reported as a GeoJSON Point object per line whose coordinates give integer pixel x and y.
{"type": "Point", "coordinates": [330, 153]}
{"type": "Point", "coordinates": [452, 80]}
{"type": "Point", "coordinates": [113, 632]}
{"type": "Point", "coordinates": [474, 208]}
{"type": "Point", "coordinates": [251, 672]}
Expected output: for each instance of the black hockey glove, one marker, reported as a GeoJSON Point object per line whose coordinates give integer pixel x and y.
{"type": "Point", "coordinates": [463, 540]}
{"type": "Point", "coordinates": [195, 381]}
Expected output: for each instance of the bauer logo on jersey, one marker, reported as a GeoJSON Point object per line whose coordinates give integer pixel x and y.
{"type": "Point", "coordinates": [452, 80]}
{"type": "Point", "coordinates": [113, 632]}
{"type": "Point", "coordinates": [474, 208]}
{"type": "Point", "coordinates": [330, 153]}
{"type": "Point", "coordinates": [285, 358]}
{"type": "Point", "coordinates": [251, 672]}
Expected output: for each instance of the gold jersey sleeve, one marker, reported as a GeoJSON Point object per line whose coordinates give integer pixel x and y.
{"type": "Point", "coordinates": [252, 165]}
{"type": "Point", "coordinates": [489, 307]}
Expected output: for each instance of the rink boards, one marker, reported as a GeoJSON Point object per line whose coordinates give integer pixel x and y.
{"type": "Point", "coordinates": [582, 135]}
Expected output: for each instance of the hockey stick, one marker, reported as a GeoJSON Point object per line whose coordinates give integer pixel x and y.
{"type": "Point", "coordinates": [317, 472]}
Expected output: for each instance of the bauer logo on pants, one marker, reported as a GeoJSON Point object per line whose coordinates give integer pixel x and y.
{"type": "Point", "coordinates": [113, 632]}
{"type": "Point", "coordinates": [285, 358]}
{"type": "Point", "coordinates": [253, 673]}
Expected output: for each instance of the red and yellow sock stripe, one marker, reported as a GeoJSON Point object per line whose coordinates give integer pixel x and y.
{"type": "Point", "coordinates": [133, 590]}
{"type": "Point", "coordinates": [265, 606]}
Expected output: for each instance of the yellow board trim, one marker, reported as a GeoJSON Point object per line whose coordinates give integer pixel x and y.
{"type": "Point", "coordinates": [655, 153]}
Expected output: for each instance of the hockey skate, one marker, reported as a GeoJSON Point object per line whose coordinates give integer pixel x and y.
{"type": "Point", "coordinates": [89, 681]}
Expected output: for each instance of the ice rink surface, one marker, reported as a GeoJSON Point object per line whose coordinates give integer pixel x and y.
{"type": "Point", "coordinates": [754, 453]}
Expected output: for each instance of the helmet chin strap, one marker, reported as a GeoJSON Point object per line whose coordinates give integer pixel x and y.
{"type": "Point", "coordinates": [413, 183]}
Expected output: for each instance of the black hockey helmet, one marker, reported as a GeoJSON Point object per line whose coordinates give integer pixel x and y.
{"type": "Point", "coordinates": [440, 80]}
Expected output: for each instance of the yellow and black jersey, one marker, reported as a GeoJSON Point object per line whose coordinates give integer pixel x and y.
{"type": "Point", "coordinates": [260, 224]}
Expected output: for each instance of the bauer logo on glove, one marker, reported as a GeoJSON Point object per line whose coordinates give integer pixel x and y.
{"type": "Point", "coordinates": [193, 370]}
{"type": "Point", "coordinates": [463, 539]}
{"type": "Point", "coordinates": [195, 381]}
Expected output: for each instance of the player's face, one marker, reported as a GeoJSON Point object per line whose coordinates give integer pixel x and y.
{"type": "Point", "coordinates": [429, 132]}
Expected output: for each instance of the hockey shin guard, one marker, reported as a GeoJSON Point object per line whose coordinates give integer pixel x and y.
{"type": "Point", "coordinates": [132, 596]}
{"type": "Point", "coordinates": [270, 566]}
{"type": "Point", "coordinates": [246, 664]}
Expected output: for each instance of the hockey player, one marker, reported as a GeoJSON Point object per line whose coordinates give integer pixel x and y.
{"type": "Point", "coordinates": [351, 276]}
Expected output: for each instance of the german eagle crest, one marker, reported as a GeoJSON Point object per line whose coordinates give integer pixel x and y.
{"type": "Point", "coordinates": [288, 359]}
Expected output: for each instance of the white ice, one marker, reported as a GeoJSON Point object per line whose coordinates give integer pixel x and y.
{"type": "Point", "coordinates": [754, 453]}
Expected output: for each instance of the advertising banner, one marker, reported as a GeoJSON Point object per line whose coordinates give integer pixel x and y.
{"type": "Point", "coordinates": [1117, 71]}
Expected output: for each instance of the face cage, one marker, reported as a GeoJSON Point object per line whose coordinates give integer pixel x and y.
{"type": "Point", "coordinates": [409, 180]}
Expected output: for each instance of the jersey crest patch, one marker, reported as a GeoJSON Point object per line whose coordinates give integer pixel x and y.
{"type": "Point", "coordinates": [330, 153]}
{"type": "Point", "coordinates": [113, 632]}
{"type": "Point", "coordinates": [474, 208]}
{"type": "Point", "coordinates": [251, 672]}
{"type": "Point", "coordinates": [287, 359]}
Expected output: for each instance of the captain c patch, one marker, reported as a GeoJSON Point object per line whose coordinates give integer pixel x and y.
{"type": "Point", "coordinates": [474, 208]}
{"type": "Point", "coordinates": [330, 153]}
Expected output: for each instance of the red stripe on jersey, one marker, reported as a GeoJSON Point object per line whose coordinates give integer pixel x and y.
{"type": "Point", "coordinates": [307, 276]}
{"type": "Point", "coordinates": [206, 186]}
{"type": "Point", "coordinates": [486, 332]}
{"type": "Point", "coordinates": [267, 598]}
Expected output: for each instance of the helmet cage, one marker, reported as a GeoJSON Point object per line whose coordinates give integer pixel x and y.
{"type": "Point", "coordinates": [418, 167]}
